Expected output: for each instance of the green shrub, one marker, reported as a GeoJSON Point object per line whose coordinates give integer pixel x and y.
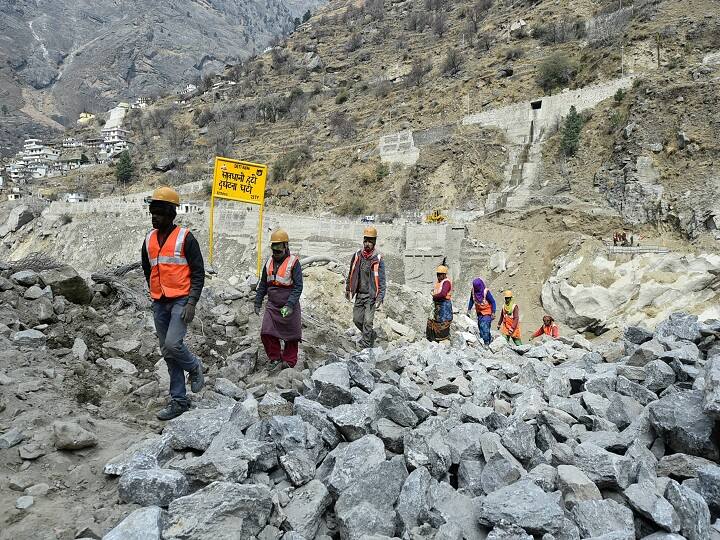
{"type": "Point", "coordinates": [571, 133]}
{"type": "Point", "coordinates": [619, 95]}
{"type": "Point", "coordinates": [555, 71]}
{"type": "Point", "coordinates": [288, 161]}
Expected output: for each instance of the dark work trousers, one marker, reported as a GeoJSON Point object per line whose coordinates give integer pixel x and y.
{"type": "Point", "coordinates": [171, 329]}
{"type": "Point", "coordinates": [363, 317]}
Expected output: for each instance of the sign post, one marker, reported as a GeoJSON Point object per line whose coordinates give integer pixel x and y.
{"type": "Point", "coordinates": [240, 181]}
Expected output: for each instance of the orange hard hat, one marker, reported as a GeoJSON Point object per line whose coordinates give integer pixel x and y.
{"type": "Point", "coordinates": [166, 194]}
{"type": "Point", "coordinates": [279, 235]}
{"type": "Point", "coordinates": [370, 232]}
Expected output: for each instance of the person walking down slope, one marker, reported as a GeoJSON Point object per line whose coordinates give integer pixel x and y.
{"type": "Point", "coordinates": [175, 273]}
{"type": "Point", "coordinates": [548, 328]}
{"type": "Point", "coordinates": [509, 323]}
{"type": "Point", "coordinates": [366, 284]}
{"type": "Point", "coordinates": [438, 328]}
{"type": "Point", "coordinates": [484, 302]}
{"type": "Point", "coordinates": [282, 282]}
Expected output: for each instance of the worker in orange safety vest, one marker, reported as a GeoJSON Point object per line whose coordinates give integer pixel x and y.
{"type": "Point", "coordinates": [509, 323]}
{"type": "Point", "coordinates": [175, 273]}
{"type": "Point", "coordinates": [548, 328]}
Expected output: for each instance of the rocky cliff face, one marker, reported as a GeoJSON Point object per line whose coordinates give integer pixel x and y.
{"type": "Point", "coordinates": [63, 57]}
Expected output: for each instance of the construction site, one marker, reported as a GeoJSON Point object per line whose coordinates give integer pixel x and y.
{"type": "Point", "coordinates": [589, 199]}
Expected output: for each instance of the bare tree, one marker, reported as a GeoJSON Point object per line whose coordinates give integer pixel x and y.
{"type": "Point", "coordinates": [342, 124]}
{"type": "Point", "coordinates": [452, 64]}
{"type": "Point", "coordinates": [418, 70]}
{"type": "Point", "coordinates": [439, 24]}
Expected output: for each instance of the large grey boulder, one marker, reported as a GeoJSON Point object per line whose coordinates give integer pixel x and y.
{"type": "Point", "coordinates": [65, 281]}
{"type": "Point", "coordinates": [606, 517]}
{"type": "Point", "coordinates": [379, 487]}
{"type": "Point", "coordinates": [519, 438]}
{"type": "Point", "coordinates": [711, 399]}
{"type": "Point", "coordinates": [457, 509]}
{"type": "Point", "coordinates": [364, 521]}
{"type": "Point", "coordinates": [332, 384]}
{"type": "Point", "coordinates": [426, 446]}
{"type": "Point", "coordinates": [72, 436]}
{"type": "Point", "coordinates": [306, 508]}
{"type": "Point", "coordinates": [681, 466]}
{"type": "Point", "coordinates": [316, 415]}
{"type": "Point", "coordinates": [29, 338]}
{"type": "Point", "coordinates": [391, 434]}
{"type": "Point", "coordinates": [414, 499]}
{"type": "Point", "coordinates": [391, 404]}
{"type": "Point", "coordinates": [221, 511]}
{"type": "Point", "coordinates": [679, 418]}
{"type": "Point", "coordinates": [354, 460]}
{"type": "Point", "coordinates": [142, 524]}
{"type": "Point", "coordinates": [692, 510]}
{"type": "Point", "coordinates": [709, 485]}
{"type": "Point", "coordinates": [604, 468]}
{"type": "Point", "coordinates": [196, 428]}
{"type": "Point", "coordinates": [681, 326]}
{"type": "Point", "coordinates": [637, 335]}
{"type": "Point", "coordinates": [152, 487]}
{"type": "Point", "coordinates": [352, 421]}
{"type": "Point", "coordinates": [19, 216]}
{"type": "Point", "coordinates": [658, 376]}
{"type": "Point", "coordinates": [648, 503]}
{"type": "Point", "coordinates": [150, 453]}
{"type": "Point", "coordinates": [225, 466]}
{"type": "Point", "coordinates": [523, 504]}
{"type": "Point", "coordinates": [576, 486]}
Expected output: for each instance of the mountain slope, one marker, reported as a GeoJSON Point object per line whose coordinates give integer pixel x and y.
{"type": "Point", "coordinates": [62, 57]}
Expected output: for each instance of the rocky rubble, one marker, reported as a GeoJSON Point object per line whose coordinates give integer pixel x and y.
{"type": "Point", "coordinates": [552, 440]}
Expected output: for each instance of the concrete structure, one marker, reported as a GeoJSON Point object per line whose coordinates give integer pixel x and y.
{"type": "Point", "coordinates": [526, 125]}
{"type": "Point", "coordinates": [70, 142]}
{"type": "Point", "coordinates": [399, 148]}
{"type": "Point", "coordinates": [116, 115]}
{"type": "Point", "coordinates": [189, 208]}
{"type": "Point", "coordinates": [187, 90]}
{"type": "Point", "coordinates": [76, 197]}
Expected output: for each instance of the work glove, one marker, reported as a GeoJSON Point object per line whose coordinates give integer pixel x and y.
{"type": "Point", "coordinates": [188, 313]}
{"type": "Point", "coordinates": [256, 309]}
{"type": "Point", "coordinates": [286, 311]}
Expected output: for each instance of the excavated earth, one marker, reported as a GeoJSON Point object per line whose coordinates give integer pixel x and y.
{"type": "Point", "coordinates": [561, 439]}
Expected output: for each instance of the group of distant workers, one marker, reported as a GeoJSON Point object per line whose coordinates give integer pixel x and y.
{"type": "Point", "coordinates": [175, 273]}
{"type": "Point", "coordinates": [620, 238]}
{"type": "Point", "coordinates": [483, 304]}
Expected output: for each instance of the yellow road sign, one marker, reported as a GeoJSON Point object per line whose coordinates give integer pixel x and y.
{"type": "Point", "coordinates": [239, 180]}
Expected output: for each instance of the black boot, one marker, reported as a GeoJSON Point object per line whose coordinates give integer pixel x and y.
{"type": "Point", "coordinates": [173, 410]}
{"type": "Point", "coordinates": [197, 378]}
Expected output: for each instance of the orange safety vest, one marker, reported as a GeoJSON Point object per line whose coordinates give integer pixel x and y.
{"type": "Point", "coordinates": [508, 322]}
{"type": "Point", "coordinates": [553, 330]}
{"type": "Point", "coordinates": [484, 307]}
{"type": "Point", "coordinates": [169, 269]}
{"type": "Point", "coordinates": [283, 278]}
{"type": "Point", "coordinates": [439, 285]}
{"type": "Point", "coordinates": [355, 270]}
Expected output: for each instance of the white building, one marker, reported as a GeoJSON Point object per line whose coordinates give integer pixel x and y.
{"type": "Point", "coordinates": [189, 89]}
{"type": "Point", "coordinates": [76, 197]}
{"type": "Point", "coordinates": [140, 103]}
{"type": "Point", "coordinates": [70, 142]}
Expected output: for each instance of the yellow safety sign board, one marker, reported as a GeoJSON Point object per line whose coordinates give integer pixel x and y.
{"type": "Point", "coordinates": [239, 180]}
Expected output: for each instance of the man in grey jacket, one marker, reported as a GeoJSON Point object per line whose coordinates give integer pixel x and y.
{"type": "Point", "coordinates": [366, 284]}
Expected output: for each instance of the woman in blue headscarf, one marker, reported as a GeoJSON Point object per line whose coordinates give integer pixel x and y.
{"type": "Point", "coordinates": [484, 303]}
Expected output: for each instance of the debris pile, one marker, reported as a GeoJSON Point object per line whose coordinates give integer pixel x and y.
{"type": "Point", "coordinates": [553, 440]}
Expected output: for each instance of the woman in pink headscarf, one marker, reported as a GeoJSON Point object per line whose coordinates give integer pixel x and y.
{"type": "Point", "coordinates": [484, 303]}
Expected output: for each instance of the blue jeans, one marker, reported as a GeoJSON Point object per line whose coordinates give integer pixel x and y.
{"type": "Point", "coordinates": [171, 329]}
{"type": "Point", "coordinates": [484, 323]}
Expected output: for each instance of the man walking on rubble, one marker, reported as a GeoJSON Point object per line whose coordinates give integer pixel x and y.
{"type": "Point", "coordinates": [175, 273]}
{"type": "Point", "coordinates": [282, 282]}
{"type": "Point", "coordinates": [366, 284]}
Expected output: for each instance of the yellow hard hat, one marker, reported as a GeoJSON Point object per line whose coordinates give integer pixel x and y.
{"type": "Point", "coordinates": [508, 294]}
{"type": "Point", "coordinates": [370, 232]}
{"type": "Point", "coordinates": [442, 269]}
{"type": "Point", "coordinates": [279, 235]}
{"type": "Point", "coordinates": [166, 194]}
